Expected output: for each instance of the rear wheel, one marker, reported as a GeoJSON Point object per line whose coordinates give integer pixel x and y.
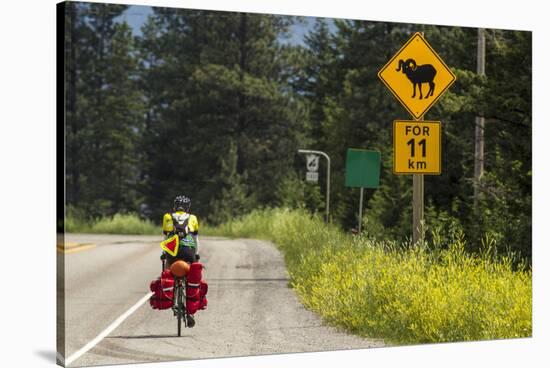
{"type": "Point", "coordinates": [179, 325]}
{"type": "Point", "coordinates": [180, 311]}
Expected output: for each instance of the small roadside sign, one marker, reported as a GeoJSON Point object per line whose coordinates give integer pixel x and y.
{"type": "Point", "coordinates": [312, 165]}
{"type": "Point", "coordinates": [362, 171]}
{"type": "Point", "coordinates": [312, 162]}
{"type": "Point", "coordinates": [417, 76]}
{"type": "Point", "coordinates": [362, 168]}
{"type": "Point", "coordinates": [417, 147]}
{"type": "Point", "coordinates": [312, 177]}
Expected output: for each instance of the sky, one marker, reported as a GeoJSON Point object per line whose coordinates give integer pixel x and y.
{"type": "Point", "coordinates": [136, 16]}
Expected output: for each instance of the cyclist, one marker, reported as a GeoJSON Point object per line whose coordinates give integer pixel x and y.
{"type": "Point", "coordinates": [186, 225]}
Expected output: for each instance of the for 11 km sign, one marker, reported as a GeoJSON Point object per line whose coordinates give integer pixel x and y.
{"type": "Point", "coordinates": [417, 147]}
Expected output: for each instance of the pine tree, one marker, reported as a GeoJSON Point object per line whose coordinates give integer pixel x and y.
{"type": "Point", "coordinates": [226, 91]}
{"type": "Point", "coordinates": [104, 115]}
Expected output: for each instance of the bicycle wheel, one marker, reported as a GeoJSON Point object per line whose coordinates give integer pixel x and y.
{"type": "Point", "coordinates": [179, 308]}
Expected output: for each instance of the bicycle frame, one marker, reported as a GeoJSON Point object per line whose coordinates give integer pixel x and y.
{"type": "Point", "coordinates": [178, 306]}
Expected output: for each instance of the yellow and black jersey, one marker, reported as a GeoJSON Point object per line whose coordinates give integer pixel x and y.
{"type": "Point", "coordinates": [191, 221]}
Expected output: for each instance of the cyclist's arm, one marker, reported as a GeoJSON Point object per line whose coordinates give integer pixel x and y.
{"type": "Point", "coordinates": [167, 229]}
{"type": "Point", "coordinates": [167, 224]}
{"type": "Point", "coordinates": [196, 236]}
{"type": "Point", "coordinates": [194, 227]}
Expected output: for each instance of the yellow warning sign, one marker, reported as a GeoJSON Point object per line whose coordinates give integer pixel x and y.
{"type": "Point", "coordinates": [416, 147]}
{"type": "Point", "coordinates": [417, 76]}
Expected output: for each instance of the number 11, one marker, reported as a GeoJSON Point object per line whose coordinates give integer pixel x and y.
{"type": "Point", "coordinates": [422, 143]}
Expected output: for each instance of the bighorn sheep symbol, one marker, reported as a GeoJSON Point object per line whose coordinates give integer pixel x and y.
{"type": "Point", "coordinates": [418, 74]}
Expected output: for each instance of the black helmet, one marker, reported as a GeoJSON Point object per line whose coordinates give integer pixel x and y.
{"type": "Point", "coordinates": [182, 203]}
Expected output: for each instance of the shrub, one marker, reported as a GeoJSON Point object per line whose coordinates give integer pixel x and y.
{"type": "Point", "coordinates": [118, 224]}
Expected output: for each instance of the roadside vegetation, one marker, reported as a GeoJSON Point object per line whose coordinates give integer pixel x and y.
{"type": "Point", "coordinates": [434, 292]}
{"type": "Point", "coordinates": [117, 224]}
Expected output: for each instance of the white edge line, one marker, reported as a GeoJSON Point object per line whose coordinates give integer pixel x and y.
{"type": "Point", "coordinates": [107, 331]}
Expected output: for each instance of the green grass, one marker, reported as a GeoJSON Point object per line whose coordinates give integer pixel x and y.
{"type": "Point", "coordinates": [400, 293]}
{"type": "Point", "coordinates": [118, 224]}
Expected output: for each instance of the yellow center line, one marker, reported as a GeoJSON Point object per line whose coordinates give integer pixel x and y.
{"type": "Point", "coordinates": [69, 244]}
{"type": "Point", "coordinates": [79, 248]}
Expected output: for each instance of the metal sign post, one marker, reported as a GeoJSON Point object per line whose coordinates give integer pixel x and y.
{"type": "Point", "coordinates": [360, 210]}
{"type": "Point", "coordinates": [328, 178]}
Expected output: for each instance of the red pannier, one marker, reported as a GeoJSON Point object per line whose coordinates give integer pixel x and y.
{"type": "Point", "coordinates": [203, 290]}
{"type": "Point", "coordinates": [163, 291]}
{"type": "Point", "coordinates": [196, 289]}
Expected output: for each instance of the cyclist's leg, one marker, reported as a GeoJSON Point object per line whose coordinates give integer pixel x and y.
{"type": "Point", "coordinates": [168, 262]}
{"type": "Point", "coordinates": [188, 255]}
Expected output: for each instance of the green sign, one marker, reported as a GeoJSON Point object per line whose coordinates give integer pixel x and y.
{"type": "Point", "coordinates": [362, 168]}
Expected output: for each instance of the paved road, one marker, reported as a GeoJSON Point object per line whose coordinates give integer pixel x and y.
{"type": "Point", "coordinates": [251, 309]}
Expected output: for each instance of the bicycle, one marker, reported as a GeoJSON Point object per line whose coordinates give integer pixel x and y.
{"type": "Point", "coordinates": [178, 306]}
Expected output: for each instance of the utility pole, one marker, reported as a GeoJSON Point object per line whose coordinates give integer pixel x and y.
{"type": "Point", "coordinates": [480, 121]}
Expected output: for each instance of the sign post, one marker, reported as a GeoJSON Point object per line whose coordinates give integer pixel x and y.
{"type": "Point", "coordinates": [414, 66]}
{"type": "Point", "coordinates": [313, 153]}
{"type": "Point", "coordinates": [363, 171]}
{"type": "Point", "coordinates": [418, 207]}
{"type": "Point", "coordinates": [360, 221]}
